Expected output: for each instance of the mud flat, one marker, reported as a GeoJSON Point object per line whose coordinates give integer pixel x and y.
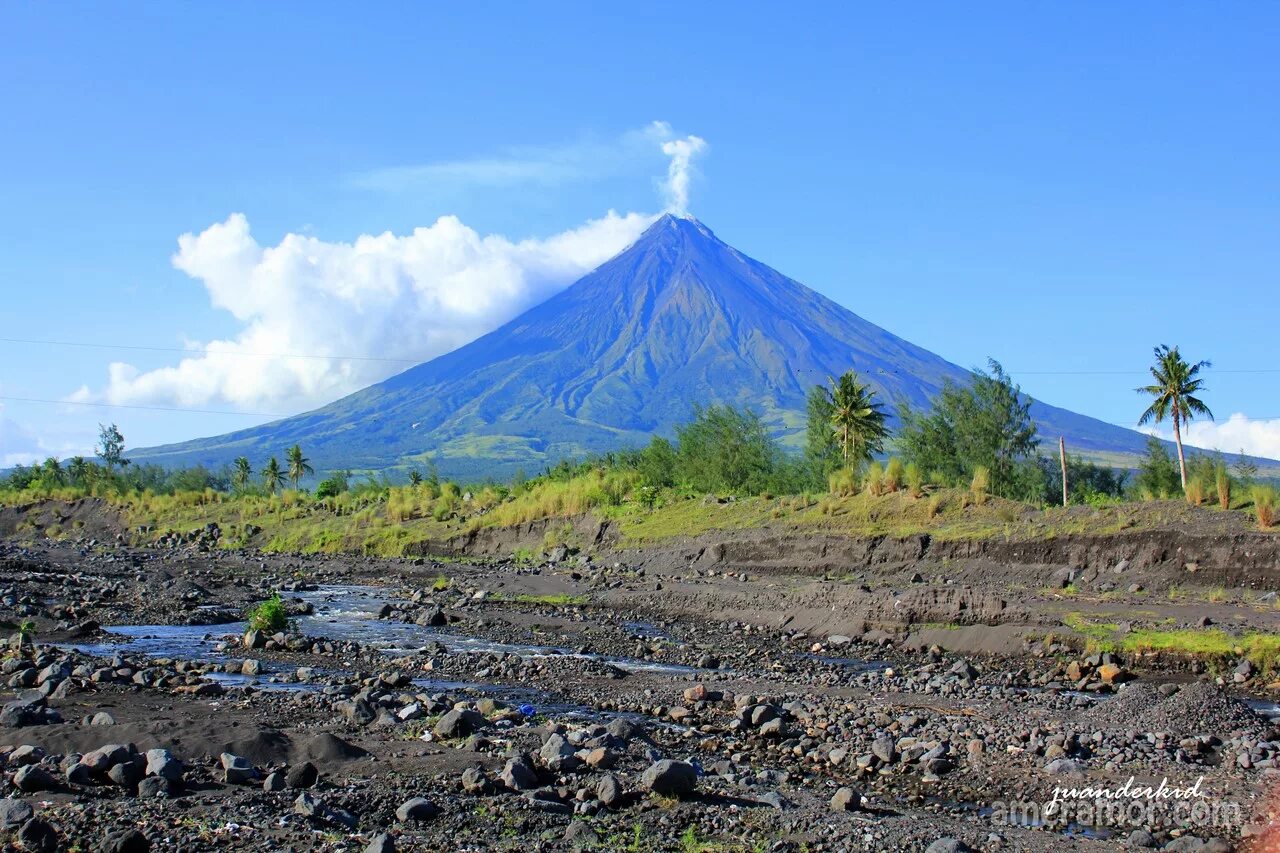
{"type": "Point", "coordinates": [710, 695]}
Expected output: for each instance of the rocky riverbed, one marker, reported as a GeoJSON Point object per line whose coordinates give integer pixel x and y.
{"type": "Point", "coordinates": [616, 704]}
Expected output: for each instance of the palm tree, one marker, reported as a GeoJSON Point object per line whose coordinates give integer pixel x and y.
{"type": "Point", "coordinates": [1176, 384]}
{"type": "Point", "coordinates": [298, 467]}
{"type": "Point", "coordinates": [857, 420]}
{"type": "Point", "coordinates": [78, 469]}
{"type": "Point", "coordinates": [53, 473]}
{"type": "Point", "coordinates": [272, 476]}
{"type": "Point", "coordinates": [241, 473]}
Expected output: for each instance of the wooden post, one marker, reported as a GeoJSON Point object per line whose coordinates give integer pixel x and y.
{"type": "Point", "coordinates": [1062, 455]}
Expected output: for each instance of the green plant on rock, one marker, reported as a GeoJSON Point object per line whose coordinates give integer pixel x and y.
{"type": "Point", "coordinates": [269, 616]}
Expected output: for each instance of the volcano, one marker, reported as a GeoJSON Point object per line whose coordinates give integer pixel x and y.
{"type": "Point", "coordinates": [678, 318]}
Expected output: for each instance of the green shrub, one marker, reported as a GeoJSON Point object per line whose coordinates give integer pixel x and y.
{"type": "Point", "coordinates": [269, 616]}
{"type": "Point", "coordinates": [914, 480]}
{"type": "Point", "coordinates": [874, 481]}
{"type": "Point", "coordinates": [842, 482]}
{"type": "Point", "coordinates": [1264, 506]}
{"type": "Point", "coordinates": [980, 485]}
{"type": "Point", "coordinates": [893, 475]}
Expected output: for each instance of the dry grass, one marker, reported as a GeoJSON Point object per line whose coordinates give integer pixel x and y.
{"type": "Point", "coordinates": [1264, 506]}
{"type": "Point", "coordinates": [981, 485]}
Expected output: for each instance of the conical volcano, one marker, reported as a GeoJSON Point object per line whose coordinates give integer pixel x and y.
{"type": "Point", "coordinates": [678, 318]}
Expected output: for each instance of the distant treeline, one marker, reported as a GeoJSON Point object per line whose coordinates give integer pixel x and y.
{"type": "Point", "coordinates": [978, 436]}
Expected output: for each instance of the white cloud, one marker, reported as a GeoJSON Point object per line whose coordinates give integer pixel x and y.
{"type": "Point", "coordinates": [20, 444]}
{"type": "Point", "coordinates": [679, 171]}
{"type": "Point", "coordinates": [392, 299]}
{"type": "Point", "coordinates": [389, 300]}
{"type": "Point", "coordinates": [1236, 433]}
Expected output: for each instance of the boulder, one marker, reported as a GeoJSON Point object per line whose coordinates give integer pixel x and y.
{"type": "Point", "coordinates": [846, 800]}
{"type": "Point", "coordinates": [416, 809]}
{"type": "Point", "coordinates": [670, 778]}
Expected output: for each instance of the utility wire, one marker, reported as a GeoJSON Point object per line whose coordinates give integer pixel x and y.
{"type": "Point", "coordinates": [280, 355]}
{"type": "Point", "coordinates": [134, 347]}
{"type": "Point", "coordinates": [142, 408]}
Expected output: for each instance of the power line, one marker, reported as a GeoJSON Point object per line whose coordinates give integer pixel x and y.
{"type": "Point", "coordinates": [142, 408]}
{"type": "Point", "coordinates": [137, 348]}
{"type": "Point", "coordinates": [280, 355]}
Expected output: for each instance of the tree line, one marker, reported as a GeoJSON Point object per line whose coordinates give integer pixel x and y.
{"type": "Point", "coordinates": [978, 433]}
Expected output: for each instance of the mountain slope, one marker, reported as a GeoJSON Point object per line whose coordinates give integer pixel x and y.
{"type": "Point", "coordinates": [678, 318]}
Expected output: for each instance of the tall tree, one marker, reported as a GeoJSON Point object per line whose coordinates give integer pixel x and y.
{"type": "Point", "coordinates": [1175, 388]}
{"type": "Point", "coordinates": [298, 467]}
{"type": "Point", "coordinates": [241, 472]}
{"type": "Point", "coordinates": [822, 453]}
{"type": "Point", "coordinates": [111, 446]}
{"type": "Point", "coordinates": [986, 424]}
{"type": "Point", "coordinates": [272, 475]}
{"type": "Point", "coordinates": [52, 472]}
{"type": "Point", "coordinates": [78, 469]}
{"type": "Point", "coordinates": [857, 420]}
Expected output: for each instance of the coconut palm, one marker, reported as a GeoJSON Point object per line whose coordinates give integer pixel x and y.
{"type": "Point", "coordinates": [53, 472]}
{"type": "Point", "coordinates": [298, 467]}
{"type": "Point", "coordinates": [857, 420]}
{"type": "Point", "coordinates": [241, 473]}
{"type": "Point", "coordinates": [78, 470]}
{"type": "Point", "coordinates": [1176, 384]}
{"type": "Point", "coordinates": [272, 476]}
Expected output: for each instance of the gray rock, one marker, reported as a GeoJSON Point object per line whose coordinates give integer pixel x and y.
{"type": "Point", "coordinates": [1142, 838]}
{"type": "Point", "coordinates": [775, 728]}
{"type": "Point", "coordinates": [669, 778]}
{"type": "Point", "coordinates": [304, 775]}
{"type": "Point", "coordinates": [580, 834]}
{"type": "Point", "coordinates": [358, 712]}
{"type": "Point", "coordinates": [418, 809]}
{"type": "Point", "coordinates": [102, 718]}
{"type": "Point", "coordinates": [846, 800]}
{"type": "Point", "coordinates": [152, 787]}
{"type": "Point", "coordinates": [125, 841]}
{"type": "Point", "coordinates": [459, 723]}
{"type": "Point", "coordinates": [38, 836]}
{"type": "Point", "coordinates": [474, 781]}
{"type": "Point", "coordinates": [33, 778]}
{"type": "Point", "coordinates": [1065, 767]}
{"type": "Point", "coordinates": [557, 754]}
{"type": "Point", "coordinates": [14, 813]}
{"type": "Point", "coordinates": [884, 749]}
{"type": "Point", "coordinates": [274, 783]}
{"type": "Point", "coordinates": [947, 845]}
{"type": "Point", "coordinates": [773, 798]}
{"type": "Point", "coordinates": [309, 806]}
{"type": "Point", "coordinates": [237, 770]}
{"type": "Point", "coordinates": [78, 773]}
{"type": "Point", "coordinates": [381, 843]}
{"type": "Point", "coordinates": [518, 775]}
{"type": "Point", "coordinates": [127, 774]}
{"type": "Point", "coordinates": [160, 762]}
{"type": "Point", "coordinates": [26, 754]}
{"type": "Point", "coordinates": [622, 729]}
{"type": "Point", "coordinates": [609, 790]}
{"type": "Point", "coordinates": [102, 759]}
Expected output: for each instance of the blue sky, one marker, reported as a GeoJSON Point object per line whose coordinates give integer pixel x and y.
{"type": "Point", "coordinates": [1061, 186]}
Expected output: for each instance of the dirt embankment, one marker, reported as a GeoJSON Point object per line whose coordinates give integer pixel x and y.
{"type": "Point", "coordinates": [1249, 560]}
{"type": "Point", "coordinates": [1156, 558]}
{"type": "Point", "coordinates": [90, 518]}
